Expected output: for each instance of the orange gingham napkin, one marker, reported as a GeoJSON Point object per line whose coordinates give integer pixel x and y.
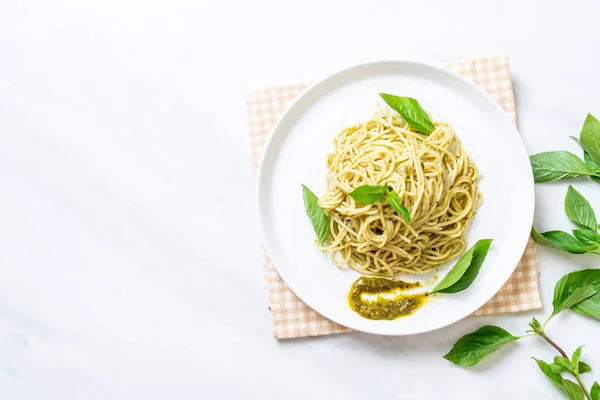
{"type": "Point", "coordinates": [291, 317]}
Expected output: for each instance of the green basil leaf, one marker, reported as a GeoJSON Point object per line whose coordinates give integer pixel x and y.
{"type": "Point", "coordinates": [564, 363]}
{"type": "Point", "coordinates": [592, 166]}
{"type": "Point", "coordinates": [586, 236]}
{"type": "Point", "coordinates": [554, 165]}
{"type": "Point", "coordinates": [474, 347]}
{"type": "Point", "coordinates": [393, 200]}
{"type": "Point", "coordinates": [535, 324]}
{"type": "Point", "coordinates": [574, 288]}
{"type": "Point", "coordinates": [590, 137]}
{"type": "Point", "coordinates": [411, 111]}
{"type": "Point", "coordinates": [575, 359]}
{"type": "Point", "coordinates": [466, 269]}
{"type": "Point", "coordinates": [589, 306]}
{"type": "Point", "coordinates": [563, 240]}
{"type": "Point", "coordinates": [368, 194]}
{"type": "Point", "coordinates": [595, 392]}
{"type": "Point", "coordinates": [583, 368]}
{"type": "Point", "coordinates": [318, 217]}
{"type": "Point", "coordinates": [570, 389]}
{"type": "Point", "coordinates": [540, 239]}
{"type": "Point", "coordinates": [578, 209]}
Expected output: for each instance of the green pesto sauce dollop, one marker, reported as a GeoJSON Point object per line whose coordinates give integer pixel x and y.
{"type": "Point", "coordinates": [383, 308]}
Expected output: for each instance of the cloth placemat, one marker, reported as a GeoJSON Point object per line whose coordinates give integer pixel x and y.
{"type": "Point", "coordinates": [291, 317]}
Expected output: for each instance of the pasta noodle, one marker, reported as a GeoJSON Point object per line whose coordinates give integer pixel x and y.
{"type": "Point", "coordinates": [434, 178]}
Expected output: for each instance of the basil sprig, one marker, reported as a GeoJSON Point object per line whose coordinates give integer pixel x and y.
{"type": "Point", "coordinates": [411, 111]}
{"type": "Point", "coordinates": [567, 387]}
{"type": "Point", "coordinates": [370, 194]}
{"type": "Point", "coordinates": [554, 165]}
{"type": "Point", "coordinates": [462, 275]}
{"type": "Point", "coordinates": [318, 217]}
{"type": "Point", "coordinates": [581, 367]}
{"type": "Point", "coordinates": [585, 240]}
{"type": "Point", "coordinates": [574, 291]}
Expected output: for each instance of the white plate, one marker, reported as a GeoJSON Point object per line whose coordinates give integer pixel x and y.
{"type": "Point", "coordinates": [296, 153]}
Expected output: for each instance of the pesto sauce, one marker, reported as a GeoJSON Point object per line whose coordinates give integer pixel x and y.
{"type": "Point", "coordinates": [384, 308]}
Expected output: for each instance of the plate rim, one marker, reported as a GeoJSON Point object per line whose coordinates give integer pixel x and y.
{"type": "Point", "coordinates": [311, 87]}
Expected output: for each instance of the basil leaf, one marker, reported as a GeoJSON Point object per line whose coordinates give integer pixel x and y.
{"type": "Point", "coordinates": [564, 363]}
{"type": "Point", "coordinates": [590, 137]}
{"type": "Point", "coordinates": [318, 217]}
{"type": "Point", "coordinates": [589, 306]}
{"type": "Point", "coordinates": [535, 324]}
{"type": "Point", "coordinates": [411, 111]}
{"type": "Point", "coordinates": [368, 194]}
{"type": "Point", "coordinates": [554, 165]}
{"type": "Point", "coordinates": [578, 209]}
{"type": "Point", "coordinates": [562, 240]}
{"type": "Point", "coordinates": [570, 389]}
{"type": "Point", "coordinates": [586, 236]}
{"type": "Point", "coordinates": [474, 347]}
{"type": "Point", "coordinates": [575, 359]}
{"type": "Point", "coordinates": [592, 166]}
{"type": "Point", "coordinates": [566, 242]}
{"type": "Point", "coordinates": [595, 392]}
{"type": "Point", "coordinates": [582, 367]}
{"type": "Point", "coordinates": [540, 239]}
{"type": "Point", "coordinates": [466, 269]}
{"type": "Point", "coordinates": [393, 200]}
{"type": "Point", "coordinates": [574, 288]}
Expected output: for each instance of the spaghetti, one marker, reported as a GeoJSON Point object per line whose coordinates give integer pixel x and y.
{"type": "Point", "coordinates": [434, 178]}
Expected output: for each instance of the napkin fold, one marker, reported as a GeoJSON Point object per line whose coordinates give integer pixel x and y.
{"type": "Point", "coordinates": [291, 317]}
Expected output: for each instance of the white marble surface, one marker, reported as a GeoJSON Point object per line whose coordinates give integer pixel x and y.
{"type": "Point", "coordinates": [125, 175]}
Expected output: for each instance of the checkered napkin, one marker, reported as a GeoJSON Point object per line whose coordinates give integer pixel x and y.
{"type": "Point", "coordinates": [291, 317]}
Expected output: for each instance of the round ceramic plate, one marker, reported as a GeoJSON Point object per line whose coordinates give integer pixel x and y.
{"type": "Point", "coordinates": [296, 153]}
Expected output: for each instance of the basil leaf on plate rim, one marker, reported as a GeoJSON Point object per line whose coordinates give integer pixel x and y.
{"type": "Point", "coordinates": [465, 270]}
{"type": "Point", "coordinates": [318, 217]}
